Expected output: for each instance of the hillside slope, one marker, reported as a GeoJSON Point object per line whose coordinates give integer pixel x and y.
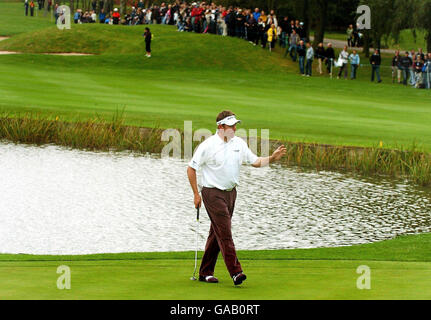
{"type": "Point", "coordinates": [174, 49]}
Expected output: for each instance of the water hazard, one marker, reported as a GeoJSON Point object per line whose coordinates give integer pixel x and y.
{"type": "Point", "coordinates": [59, 201]}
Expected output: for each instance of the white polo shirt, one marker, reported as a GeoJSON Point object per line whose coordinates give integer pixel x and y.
{"type": "Point", "coordinates": [220, 161]}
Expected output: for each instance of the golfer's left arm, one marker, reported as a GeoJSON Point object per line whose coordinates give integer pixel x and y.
{"type": "Point", "coordinates": [264, 161]}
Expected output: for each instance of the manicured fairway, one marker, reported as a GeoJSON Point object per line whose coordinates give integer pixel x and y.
{"type": "Point", "coordinates": [292, 107]}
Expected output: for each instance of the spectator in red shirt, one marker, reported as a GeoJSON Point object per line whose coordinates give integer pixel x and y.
{"type": "Point", "coordinates": [116, 16]}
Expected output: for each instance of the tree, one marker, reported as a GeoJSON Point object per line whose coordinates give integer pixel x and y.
{"type": "Point", "coordinates": [123, 7]}
{"type": "Point", "coordinates": [422, 19]}
{"type": "Point", "coordinates": [382, 12]}
{"type": "Point", "coordinates": [321, 7]}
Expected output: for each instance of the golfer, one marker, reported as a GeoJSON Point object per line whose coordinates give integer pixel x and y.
{"type": "Point", "coordinates": [219, 158]}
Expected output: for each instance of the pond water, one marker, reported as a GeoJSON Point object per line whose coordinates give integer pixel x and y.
{"type": "Point", "coordinates": [59, 201]}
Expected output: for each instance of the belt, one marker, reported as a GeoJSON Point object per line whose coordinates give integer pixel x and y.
{"type": "Point", "coordinates": [226, 190]}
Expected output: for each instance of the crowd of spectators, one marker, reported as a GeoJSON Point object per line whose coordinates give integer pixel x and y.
{"type": "Point", "coordinates": [263, 29]}
{"type": "Point", "coordinates": [413, 68]}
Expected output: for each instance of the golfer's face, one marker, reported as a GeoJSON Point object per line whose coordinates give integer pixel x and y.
{"type": "Point", "coordinates": [228, 131]}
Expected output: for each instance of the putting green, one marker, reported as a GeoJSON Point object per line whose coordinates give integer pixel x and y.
{"type": "Point", "coordinates": [399, 269]}
{"type": "Point", "coordinates": [169, 279]}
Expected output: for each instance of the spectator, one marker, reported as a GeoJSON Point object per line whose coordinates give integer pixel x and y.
{"type": "Point", "coordinates": [230, 22]}
{"type": "Point", "coordinates": [272, 37]}
{"type": "Point", "coordinates": [77, 16]}
{"type": "Point", "coordinates": [330, 57]}
{"type": "Point", "coordinates": [240, 24]}
{"type": "Point", "coordinates": [196, 17]}
{"type": "Point", "coordinates": [293, 47]}
{"type": "Point", "coordinates": [221, 22]}
{"type": "Point", "coordinates": [102, 16]}
{"type": "Point", "coordinates": [301, 54]}
{"type": "Point", "coordinates": [156, 15]}
{"type": "Point", "coordinates": [349, 32]}
{"type": "Point", "coordinates": [251, 25]}
{"type": "Point", "coordinates": [32, 9]}
{"type": "Point", "coordinates": [320, 55]}
{"type": "Point", "coordinates": [292, 27]}
{"type": "Point", "coordinates": [116, 16]}
{"type": "Point", "coordinates": [141, 5]}
{"type": "Point", "coordinates": [302, 32]}
{"type": "Point", "coordinates": [147, 35]}
{"type": "Point", "coordinates": [284, 24]}
{"type": "Point", "coordinates": [26, 7]}
{"type": "Point", "coordinates": [421, 53]}
{"type": "Point", "coordinates": [406, 62]}
{"type": "Point", "coordinates": [412, 56]}
{"type": "Point", "coordinates": [297, 26]}
{"type": "Point", "coordinates": [93, 16]}
{"type": "Point", "coordinates": [264, 17]}
{"type": "Point", "coordinates": [396, 67]}
{"type": "Point", "coordinates": [163, 10]}
{"type": "Point", "coordinates": [355, 60]}
{"type": "Point", "coordinates": [427, 72]}
{"type": "Point", "coordinates": [310, 56]}
{"type": "Point", "coordinates": [272, 19]}
{"type": "Point", "coordinates": [256, 14]}
{"type": "Point", "coordinates": [375, 61]}
{"type": "Point", "coordinates": [188, 27]}
{"type": "Point", "coordinates": [342, 62]}
{"type": "Point", "coordinates": [418, 66]}
{"type": "Point", "coordinates": [355, 42]}
{"type": "Point", "coordinates": [149, 16]}
{"type": "Point", "coordinates": [261, 33]}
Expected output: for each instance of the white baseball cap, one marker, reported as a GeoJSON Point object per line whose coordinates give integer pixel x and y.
{"type": "Point", "coordinates": [230, 121]}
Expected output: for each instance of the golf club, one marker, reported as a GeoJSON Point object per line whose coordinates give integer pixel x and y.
{"type": "Point", "coordinates": [196, 251]}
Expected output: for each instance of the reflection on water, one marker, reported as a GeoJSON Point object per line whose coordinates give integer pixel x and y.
{"type": "Point", "coordinates": [58, 201]}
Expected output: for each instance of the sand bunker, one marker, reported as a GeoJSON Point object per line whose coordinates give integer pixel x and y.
{"type": "Point", "coordinates": [8, 52]}
{"type": "Point", "coordinates": [69, 54]}
{"type": "Point", "coordinates": [55, 54]}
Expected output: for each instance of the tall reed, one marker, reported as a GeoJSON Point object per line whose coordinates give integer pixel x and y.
{"type": "Point", "coordinates": [114, 135]}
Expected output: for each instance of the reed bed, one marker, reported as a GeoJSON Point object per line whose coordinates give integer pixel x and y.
{"type": "Point", "coordinates": [114, 135]}
{"type": "Point", "coordinates": [408, 163]}
{"type": "Point", "coordinates": [92, 134]}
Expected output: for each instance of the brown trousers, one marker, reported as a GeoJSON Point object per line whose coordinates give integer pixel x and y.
{"type": "Point", "coordinates": [219, 205]}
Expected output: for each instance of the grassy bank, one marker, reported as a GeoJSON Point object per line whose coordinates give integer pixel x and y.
{"type": "Point", "coordinates": [326, 273]}
{"type": "Point", "coordinates": [99, 134]}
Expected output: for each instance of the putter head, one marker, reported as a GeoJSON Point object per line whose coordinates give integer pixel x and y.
{"type": "Point", "coordinates": [193, 278]}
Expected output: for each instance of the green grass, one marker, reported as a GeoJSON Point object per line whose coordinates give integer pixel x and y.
{"type": "Point", "coordinates": [193, 77]}
{"type": "Point", "coordinates": [15, 22]}
{"type": "Point", "coordinates": [400, 269]}
{"type": "Point", "coordinates": [406, 41]}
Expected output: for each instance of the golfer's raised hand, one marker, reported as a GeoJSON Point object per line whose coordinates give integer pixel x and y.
{"type": "Point", "coordinates": [277, 154]}
{"type": "Point", "coordinates": [198, 201]}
